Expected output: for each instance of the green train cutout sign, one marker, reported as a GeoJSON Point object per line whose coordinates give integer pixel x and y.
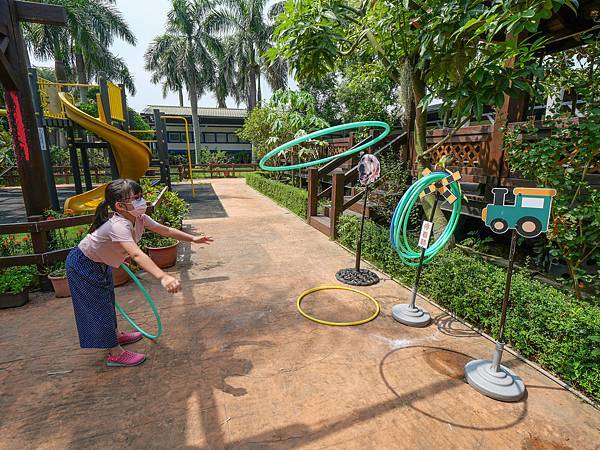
{"type": "Point", "coordinates": [529, 215]}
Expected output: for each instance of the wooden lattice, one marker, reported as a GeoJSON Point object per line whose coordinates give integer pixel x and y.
{"type": "Point", "coordinates": [464, 154]}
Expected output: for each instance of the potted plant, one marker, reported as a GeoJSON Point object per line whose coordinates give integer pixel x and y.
{"type": "Point", "coordinates": [161, 250]}
{"type": "Point", "coordinates": [58, 278]}
{"type": "Point", "coordinates": [14, 285]}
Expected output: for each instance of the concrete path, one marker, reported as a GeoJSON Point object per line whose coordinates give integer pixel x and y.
{"type": "Point", "coordinates": [238, 367]}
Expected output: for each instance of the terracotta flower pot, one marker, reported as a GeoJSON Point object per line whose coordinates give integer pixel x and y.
{"type": "Point", "coordinates": [120, 277]}
{"type": "Point", "coordinates": [61, 286]}
{"type": "Point", "coordinates": [9, 300]}
{"type": "Point", "coordinates": [163, 257]}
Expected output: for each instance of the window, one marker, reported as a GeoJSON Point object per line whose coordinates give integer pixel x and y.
{"type": "Point", "coordinates": [209, 137]}
{"type": "Point", "coordinates": [232, 138]}
{"type": "Point", "coordinates": [221, 137]}
{"type": "Point", "coordinates": [173, 136]}
{"type": "Point", "coordinates": [532, 202]}
{"type": "Point", "coordinates": [191, 137]}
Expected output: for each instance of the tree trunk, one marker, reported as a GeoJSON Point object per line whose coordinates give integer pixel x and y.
{"type": "Point", "coordinates": [180, 92]}
{"type": "Point", "coordinates": [195, 124]}
{"type": "Point", "coordinates": [221, 103]}
{"type": "Point", "coordinates": [60, 71]}
{"type": "Point", "coordinates": [420, 143]}
{"type": "Point", "coordinates": [251, 88]}
{"type": "Point", "coordinates": [573, 272]}
{"type": "Point", "coordinates": [259, 90]}
{"type": "Point", "coordinates": [81, 76]}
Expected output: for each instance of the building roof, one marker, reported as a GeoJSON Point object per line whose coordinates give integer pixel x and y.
{"type": "Point", "coordinates": [235, 113]}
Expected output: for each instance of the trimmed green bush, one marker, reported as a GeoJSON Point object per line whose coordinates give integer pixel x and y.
{"type": "Point", "coordinates": [289, 197]}
{"type": "Point", "coordinates": [544, 324]}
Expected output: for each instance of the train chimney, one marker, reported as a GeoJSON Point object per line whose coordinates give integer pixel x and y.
{"type": "Point", "coordinates": [499, 195]}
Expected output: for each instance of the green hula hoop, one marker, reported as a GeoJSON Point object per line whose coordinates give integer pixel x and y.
{"type": "Point", "coordinates": [400, 219]}
{"type": "Point", "coordinates": [315, 134]}
{"type": "Point", "coordinates": [148, 299]}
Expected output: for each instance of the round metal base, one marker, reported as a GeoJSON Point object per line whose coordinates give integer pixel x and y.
{"type": "Point", "coordinates": [353, 277]}
{"type": "Point", "coordinates": [413, 317]}
{"type": "Point", "coordinates": [503, 385]}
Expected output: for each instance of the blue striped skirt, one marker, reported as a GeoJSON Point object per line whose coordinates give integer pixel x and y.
{"type": "Point", "coordinates": [93, 295]}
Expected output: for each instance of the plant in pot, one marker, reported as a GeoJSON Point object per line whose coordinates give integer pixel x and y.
{"type": "Point", "coordinates": [14, 285]}
{"type": "Point", "coordinates": [161, 250]}
{"type": "Point", "coordinates": [120, 277]}
{"type": "Point", "coordinates": [58, 278]}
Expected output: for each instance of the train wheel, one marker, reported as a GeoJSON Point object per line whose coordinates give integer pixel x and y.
{"type": "Point", "coordinates": [529, 227]}
{"type": "Point", "coordinates": [499, 226]}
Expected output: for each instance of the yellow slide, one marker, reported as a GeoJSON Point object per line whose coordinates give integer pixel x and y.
{"type": "Point", "coordinates": [131, 154]}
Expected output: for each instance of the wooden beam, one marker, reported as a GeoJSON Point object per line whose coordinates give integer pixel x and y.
{"type": "Point", "coordinates": [3, 44]}
{"type": "Point", "coordinates": [8, 77]}
{"type": "Point", "coordinates": [40, 13]}
{"type": "Point", "coordinates": [21, 115]}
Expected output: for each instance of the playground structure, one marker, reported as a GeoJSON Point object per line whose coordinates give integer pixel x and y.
{"type": "Point", "coordinates": [33, 105]}
{"type": "Point", "coordinates": [129, 156]}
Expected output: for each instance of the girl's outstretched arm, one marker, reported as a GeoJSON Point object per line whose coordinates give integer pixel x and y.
{"type": "Point", "coordinates": [178, 234]}
{"type": "Point", "coordinates": [170, 283]}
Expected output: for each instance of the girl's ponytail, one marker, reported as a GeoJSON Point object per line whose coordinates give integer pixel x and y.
{"type": "Point", "coordinates": [101, 216]}
{"type": "Point", "coordinates": [115, 191]}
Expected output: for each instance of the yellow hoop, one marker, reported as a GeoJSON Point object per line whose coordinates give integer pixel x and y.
{"type": "Point", "coordinates": [336, 324]}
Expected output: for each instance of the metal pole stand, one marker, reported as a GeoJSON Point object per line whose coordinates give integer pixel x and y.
{"type": "Point", "coordinates": [356, 276]}
{"type": "Point", "coordinates": [490, 377]}
{"type": "Point", "coordinates": [410, 314]}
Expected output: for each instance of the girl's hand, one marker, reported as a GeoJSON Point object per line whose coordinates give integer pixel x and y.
{"type": "Point", "coordinates": [171, 284]}
{"type": "Point", "coordinates": [202, 240]}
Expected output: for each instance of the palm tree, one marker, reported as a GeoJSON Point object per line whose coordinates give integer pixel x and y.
{"type": "Point", "coordinates": [250, 31]}
{"type": "Point", "coordinates": [83, 45]}
{"type": "Point", "coordinates": [184, 55]}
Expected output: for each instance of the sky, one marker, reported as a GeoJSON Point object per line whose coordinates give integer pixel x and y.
{"type": "Point", "coordinates": [146, 19]}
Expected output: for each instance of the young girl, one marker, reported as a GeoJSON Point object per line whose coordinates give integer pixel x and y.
{"type": "Point", "coordinates": [89, 269]}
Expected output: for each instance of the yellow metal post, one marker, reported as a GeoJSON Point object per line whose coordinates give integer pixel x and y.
{"type": "Point", "coordinates": [189, 152]}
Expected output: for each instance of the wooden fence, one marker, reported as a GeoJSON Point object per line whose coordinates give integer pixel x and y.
{"type": "Point", "coordinates": [38, 228]}
{"type": "Point", "coordinates": [64, 174]}
{"type": "Point", "coordinates": [225, 170]}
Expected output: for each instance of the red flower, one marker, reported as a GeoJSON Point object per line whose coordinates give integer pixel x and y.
{"type": "Point", "coordinates": [49, 218]}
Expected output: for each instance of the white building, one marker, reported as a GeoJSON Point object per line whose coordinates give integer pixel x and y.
{"type": "Point", "coordinates": [218, 128]}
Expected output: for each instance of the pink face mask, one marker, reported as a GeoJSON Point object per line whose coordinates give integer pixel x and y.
{"type": "Point", "coordinates": [139, 207]}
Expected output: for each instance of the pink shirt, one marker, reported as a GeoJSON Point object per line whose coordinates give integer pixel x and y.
{"type": "Point", "coordinates": [102, 245]}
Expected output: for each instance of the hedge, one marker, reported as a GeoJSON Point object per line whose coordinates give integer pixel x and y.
{"type": "Point", "coordinates": [543, 323]}
{"type": "Point", "coordinates": [289, 197]}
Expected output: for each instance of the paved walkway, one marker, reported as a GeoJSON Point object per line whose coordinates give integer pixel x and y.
{"type": "Point", "coordinates": [238, 367]}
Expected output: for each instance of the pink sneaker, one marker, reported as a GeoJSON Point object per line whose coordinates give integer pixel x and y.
{"type": "Point", "coordinates": [128, 337]}
{"type": "Point", "coordinates": [125, 359]}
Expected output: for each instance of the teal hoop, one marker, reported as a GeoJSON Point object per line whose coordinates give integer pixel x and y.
{"type": "Point", "coordinates": [315, 134]}
{"type": "Point", "coordinates": [401, 219]}
{"type": "Point", "coordinates": [148, 299]}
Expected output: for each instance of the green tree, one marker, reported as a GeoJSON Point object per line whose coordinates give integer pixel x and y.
{"type": "Point", "coordinates": [82, 47]}
{"type": "Point", "coordinates": [568, 152]}
{"type": "Point", "coordinates": [184, 55]}
{"type": "Point", "coordinates": [366, 93]}
{"type": "Point", "coordinates": [287, 115]}
{"type": "Point", "coordinates": [249, 29]}
{"type": "Point", "coordinates": [438, 49]}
